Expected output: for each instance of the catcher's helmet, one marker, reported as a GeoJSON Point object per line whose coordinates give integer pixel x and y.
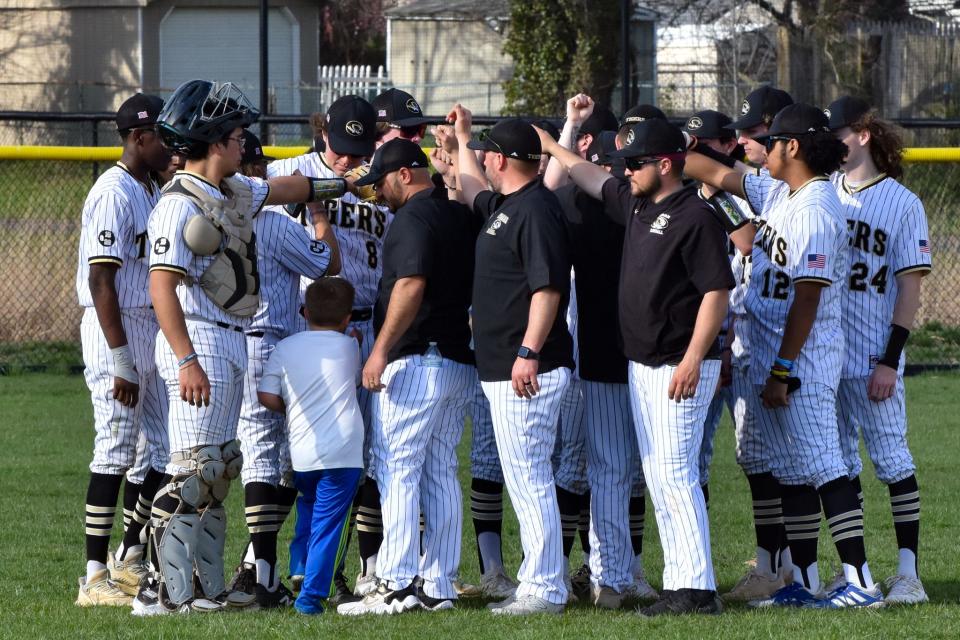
{"type": "Point", "coordinates": [203, 112]}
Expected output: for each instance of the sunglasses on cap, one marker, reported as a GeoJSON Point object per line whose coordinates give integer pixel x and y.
{"type": "Point", "coordinates": [635, 164]}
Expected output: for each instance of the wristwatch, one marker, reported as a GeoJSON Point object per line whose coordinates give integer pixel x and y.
{"type": "Point", "coordinates": [527, 354]}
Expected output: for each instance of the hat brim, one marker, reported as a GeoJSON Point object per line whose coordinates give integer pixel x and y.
{"type": "Point", "coordinates": [480, 145]}
{"type": "Point", "coordinates": [370, 178]}
{"type": "Point", "coordinates": [344, 146]}
{"type": "Point", "coordinates": [746, 122]}
{"type": "Point", "coordinates": [412, 122]}
{"type": "Point", "coordinates": [626, 152]}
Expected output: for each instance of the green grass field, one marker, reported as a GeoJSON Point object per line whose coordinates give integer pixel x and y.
{"type": "Point", "coordinates": [45, 443]}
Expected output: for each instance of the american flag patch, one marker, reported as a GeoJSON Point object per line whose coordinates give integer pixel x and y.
{"type": "Point", "coordinates": [816, 261]}
{"type": "Point", "coordinates": [141, 114]}
{"type": "Point", "coordinates": [924, 246]}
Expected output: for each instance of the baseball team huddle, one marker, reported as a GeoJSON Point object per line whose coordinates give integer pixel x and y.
{"type": "Point", "coordinates": [592, 297]}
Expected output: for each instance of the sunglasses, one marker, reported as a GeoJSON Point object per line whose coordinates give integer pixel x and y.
{"type": "Point", "coordinates": [772, 140]}
{"type": "Point", "coordinates": [635, 164]}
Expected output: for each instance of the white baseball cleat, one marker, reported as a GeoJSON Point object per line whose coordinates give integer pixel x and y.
{"type": "Point", "coordinates": [503, 603]}
{"type": "Point", "coordinates": [527, 606]}
{"type": "Point", "coordinates": [100, 591]}
{"type": "Point", "coordinates": [496, 584]}
{"type": "Point", "coordinates": [365, 585]}
{"type": "Point", "coordinates": [905, 590]}
{"type": "Point", "coordinates": [641, 589]}
{"type": "Point", "coordinates": [838, 582]}
{"type": "Point", "coordinates": [754, 585]}
{"type": "Point", "coordinates": [383, 601]}
{"type": "Point", "coordinates": [128, 574]}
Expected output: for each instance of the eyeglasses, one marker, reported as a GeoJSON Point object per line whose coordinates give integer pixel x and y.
{"type": "Point", "coordinates": [635, 165]}
{"type": "Point", "coordinates": [772, 140]}
{"type": "Point", "coordinates": [412, 131]}
{"type": "Point", "coordinates": [152, 128]}
{"type": "Point", "coordinates": [239, 141]}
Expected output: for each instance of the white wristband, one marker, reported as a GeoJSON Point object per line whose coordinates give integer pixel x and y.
{"type": "Point", "coordinates": [123, 365]}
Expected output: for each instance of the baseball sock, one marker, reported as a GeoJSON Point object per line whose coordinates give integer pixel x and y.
{"type": "Point", "coordinates": [137, 502]}
{"type": "Point", "coordinates": [705, 488]}
{"type": "Point", "coordinates": [638, 517]}
{"type": "Point", "coordinates": [767, 521]}
{"type": "Point", "coordinates": [486, 508]}
{"type": "Point", "coordinates": [102, 494]}
{"type": "Point", "coordinates": [801, 518]}
{"type": "Point", "coordinates": [858, 488]}
{"type": "Point", "coordinates": [905, 504]}
{"type": "Point", "coordinates": [369, 526]}
{"type": "Point", "coordinates": [161, 510]}
{"type": "Point", "coordinates": [569, 504]}
{"type": "Point", "coordinates": [263, 522]}
{"type": "Point", "coordinates": [583, 526]}
{"type": "Point", "coordinates": [845, 520]}
{"type": "Point", "coordinates": [286, 498]}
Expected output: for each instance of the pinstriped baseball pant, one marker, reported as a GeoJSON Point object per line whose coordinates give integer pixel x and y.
{"type": "Point", "coordinates": [884, 428]}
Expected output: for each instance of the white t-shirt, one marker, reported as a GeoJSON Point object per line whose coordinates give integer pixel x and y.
{"type": "Point", "coordinates": [315, 373]}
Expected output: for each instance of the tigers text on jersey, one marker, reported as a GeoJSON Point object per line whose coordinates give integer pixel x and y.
{"type": "Point", "coordinates": [887, 237]}
{"type": "Point", "coordinates": [169, 252]}
{"type": "Point", "coordinates": [359, 227]}
{"type": "Point", "coordinates": [114, 231]}
{"type": "Point", "coordinates": [801, 237]}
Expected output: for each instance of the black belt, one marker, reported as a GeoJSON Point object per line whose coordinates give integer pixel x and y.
{"type": "Point", "coordinates": [232, 327]}
{"type": "Point", "coordinates": [255, 334]}
{"type": "Point", "coordinates": [359, 315]}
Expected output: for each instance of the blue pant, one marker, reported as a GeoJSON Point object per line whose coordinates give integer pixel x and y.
{"type": "Point", "coordinates": [323, 519]}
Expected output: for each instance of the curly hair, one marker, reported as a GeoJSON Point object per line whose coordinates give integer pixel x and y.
{"type": "Point", "coordinates": [886, 142]}
{"type": "Point", "coordinates": [822, 152]}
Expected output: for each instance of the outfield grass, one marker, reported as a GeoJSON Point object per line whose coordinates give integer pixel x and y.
{"type": "Point", "coordinates": [45, 444]}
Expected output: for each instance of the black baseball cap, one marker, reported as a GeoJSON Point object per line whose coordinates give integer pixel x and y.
{"type": "Point", "coordinates": [398, 108]}
{"type": "Point", "coordinates": [762, 103]}
{"type": "Point", "coordinates": [138, 111]}
{"type": "Point", "coordinates": [513, 138]}
{"type": "Point", "coordinates": [797, 120]}
{"type": "Point", "coordinates": [602, 146]}
{"type": "Point", "coordinates": [640, 113]}
{"type": "Point", "coordinates": [654, 137]}
{"type": "Point", "coordinates": [708, 124]}
{"type": "Point", "coordinates": [844, 111]}
{"type": "Point", "coordinates": [547, 126]}
{"type": "Point", "coordinates": [351, 126]}
{"type": "Point", "coordinates": [253, 150]}
{"type": "Point", "coordinates": [393, 155]}
{"type": "Point", "coordinates": [602, 119]}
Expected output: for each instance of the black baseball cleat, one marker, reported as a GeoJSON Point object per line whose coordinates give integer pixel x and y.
{"type": "Point", "coordinates": [244, 579]}
{"type": "Point", "coordinates": [279, 598]}
{"type": "Point", "coordinates": [683, 601]}
{"type": "Point", "coordinates": [342, 594]}
{"type": "Point", "coordinates": [429, 603]}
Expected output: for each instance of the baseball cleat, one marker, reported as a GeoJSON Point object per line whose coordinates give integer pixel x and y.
{"type": "Point", "coordinates": [905, 590]}
{"type": "Point", "coordinates": [852, 596]}
{"type": "Point", "coordinates": [434, 604]}
{"type": "Point", "coordinates": [571, 594]}
{"type": "Point", "coordinates": [503, 603]}
{"type": "Point", "coordinates": [682, 601]}
{"type": "Point", "coordinates": [129, 573]}
{"type": "Point", "coordinates": [466, 590]}
{"type": "Point", "coordinates": [100, 591]}
{"type": "Point", "coordinates": [341, 592]}
{"type": "Point", "coordinates": [496, 584]}
{"type": "Point", "coordinates": [279, 598]}
{"type": "Point", "coordinates": [792, 595]}
{"type": "Point", "coordinates": [383, 601]}
{"type": "Point", "coordinates": [148, 602]}
{"type": "Point", "coordinates": [839, 581]}
{"type": "Point", "coordinates": [527, 606]}
{"type": "Point", "coordinates": [244, 579]}
{"type": "Point", "coordinates": [580, 581]}
{"type": "Point", "coordinates": [365, 584]}
{"type": "Point", "coordinates": [606, 597]}
{"type": "Point", "coordinates": [754, 585]}
{"type": "Point", "coordinates": [296, 582]}
{"type": "Point", "coordinates": [640, 589]}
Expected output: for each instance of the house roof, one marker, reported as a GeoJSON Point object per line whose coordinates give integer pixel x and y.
{"type": "Point", "coordinates": [450, 9]}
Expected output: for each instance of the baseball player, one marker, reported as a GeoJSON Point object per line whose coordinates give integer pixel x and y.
{"type": "Point", "coordinates": [800, 263]}
{"type": "Point", "coordinates": [204, 287]}
{"type": "Point", "coordinates": [117, 332]}
{"type": "Point", "coordinates": [523, 349]}
{"type": "Point", "coordinates": [345, 136]}
{"type": "Point", "coordinates": [285, 253]}
{"type": "Point", "coordinates": [399, 116]}
{"type": "Point", "coordinates": [889, 257]}
{"type": "Point", "coordinates": [673, 297]}
{"type": "Point", "coordinates": [421, 367]}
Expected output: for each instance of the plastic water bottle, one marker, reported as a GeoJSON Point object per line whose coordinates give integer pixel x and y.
{"type": "Point", "coordinates": [432, 357]}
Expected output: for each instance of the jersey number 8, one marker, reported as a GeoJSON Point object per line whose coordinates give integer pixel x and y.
{"type": "Point", "coordinates": [372, 254]}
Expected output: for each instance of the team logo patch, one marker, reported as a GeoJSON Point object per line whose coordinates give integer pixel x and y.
{"type": "Point", "coordinates": [660, 224]}
{"type": "Point", "coordinates": [106, 238]}
{"type": "Point", "coordinates": [382, 113]}
{"type": "Point", "coordinates": [354, 128]}
{"type": "Point", "coordinates": [694, 123]}
{"type": "Point", "coordinates": [630, 137]}
{"type": "Point", "coordinates": [142, 115]}
{"type": "Point", "coordinates": [413, 106]}
{"type": "Point", "coordinates": [634, 119]}
{"type": "Point", "coordinates": [827, 113]}
{"type": "Point", "coordinates": [745, 108]}
{"type": "Point", "coordinates": [161, 246]}
{"type": "Point", "coordinates": [595, 157]}
{"type": "Point", "coordinates": [498, 222]}
{"type": "Point", "coordinates": [317, 247]}
{"type": "Point", "coordinates": [874, 361]}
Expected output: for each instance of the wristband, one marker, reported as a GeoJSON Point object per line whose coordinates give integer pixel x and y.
{"type": "Point", "coordinates": [779, 372]}
{"type": "Point", "coordinates": [895, 343]}
{"type": "Point", "coordinates": [723, 159]}
{"type": "Point", "coordinates": [187, 360]}
{"type": "Point", "coordinates": [323, 188]}
{"type": "Point", "coordinates": [123, 366]}
{"type": "Point", "coordinates": [783, 362]}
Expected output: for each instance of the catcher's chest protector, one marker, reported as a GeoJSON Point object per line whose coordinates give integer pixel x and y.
{"type": "Point", "coordinates": [231, 281]}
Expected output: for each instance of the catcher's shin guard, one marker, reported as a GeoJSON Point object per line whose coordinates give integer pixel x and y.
{"type": "Point", "coordinates": [208, 558]}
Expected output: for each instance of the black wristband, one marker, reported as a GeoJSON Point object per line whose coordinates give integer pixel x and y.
{"type": "Point", "coordinates": [322, 188]}
{"type": "Point", "coordinates": [713, 154]}
{"type": "Point", "coordinates": [895, 344]}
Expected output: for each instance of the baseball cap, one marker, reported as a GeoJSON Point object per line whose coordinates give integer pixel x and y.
{"type": "Point", "coordinates": [761, 103]}
{"type": "Point", "coordinates": [253, 150]}
{"type": "Point", "coordinates": [351, 126]}
{"type": "Point", "coordinates": [602, 146]}
{"type": "Point", "coordinates": [652, 137]}
{"type": "Point", "coordinates": [708, 124]}
{"type": "Point", "coordinates": [797, 120]}
{"type": "Point", "coordinates": [844, 111]}
{"type": "Point", "coordinates": [138, 111]}
{"type": "Point", "coordinates": [640, 113]}
{"type": "Point", "coordinates": [398, 108]}
{"type": "Point", "coordinates": [513, 138]}
{"type": "Point", "coordinates": [602, 119]}
{"type": "Point", "coordinates": [393, 155]}
{"type": "Point", "coordinates": [547, 126]}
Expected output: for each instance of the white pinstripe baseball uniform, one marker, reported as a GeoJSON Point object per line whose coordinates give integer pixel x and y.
{"type": "Point", "coordinates": [114, 231]}
{"type": "Point", "coordinates": [484, 457]}
{"type": "Point", "coordinates": [285, 252]}
{"type": "Point", "coordinates": [570, 454]}
{"type": "Point", "coordinates": [217, 335]}
{"type": "Point", "coordinates": [801, 238]}
{"type": "Point", "coordinates": [888, 237]}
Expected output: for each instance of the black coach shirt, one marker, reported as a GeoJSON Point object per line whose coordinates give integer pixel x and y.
{"type": "Point", "coordinates": [597, 248]}
{"type": "Point", "coordinates": [522, 247]}
{"type": "Point", "coordinates": [675, 251]}
{"type": "Point", "coordinates": [433, 237]}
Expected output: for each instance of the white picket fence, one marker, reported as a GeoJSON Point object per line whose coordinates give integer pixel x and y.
{"type": "Point", "coordinates": [346, 79]}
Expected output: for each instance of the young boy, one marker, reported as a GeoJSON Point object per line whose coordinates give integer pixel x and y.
{"type": "Point", "coordinates": [312, 378]}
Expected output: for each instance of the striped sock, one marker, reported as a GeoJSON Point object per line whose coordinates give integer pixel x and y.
{"type": "Point", "coordinates": [369, 526]}
{"type": "Point", "coordinates": [801, 519]}
{"type": "Point", "coordinates": [486, 508]}
{"type": "Point", "coordinates": [845, 520]}
{"type": "Point", "coordinates": [101, 506]}
{"type": "Point", "coordinates": [905, 505]}
{"type": "Point", "coordinates": [767, 520]}
{"type": "Point", "coordinates": [638, 516]}
{"type": "Point", "coordinates": [263, 521]}
{"type": "Point", "coordinates": [569, 504]}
